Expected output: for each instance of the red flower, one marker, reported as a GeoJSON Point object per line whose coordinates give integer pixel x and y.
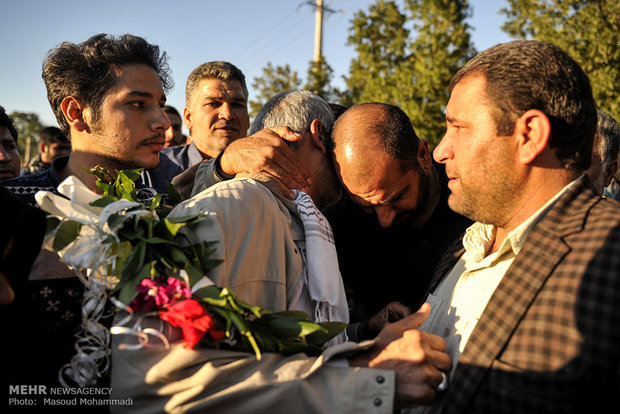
{"type": "Point", "coordinates": [193, 319]}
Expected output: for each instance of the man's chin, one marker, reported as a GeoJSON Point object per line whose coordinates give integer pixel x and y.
{"type": "Point", "coordinates": [227, 134]}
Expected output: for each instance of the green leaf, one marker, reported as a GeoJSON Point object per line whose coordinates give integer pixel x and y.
{"type": "Point", "coordinates": [128, 289]}
{"type": "Point", "coordinates": [126, 185]}
{"type": "Point", "coordinates": [52, 223]}
{"type": "Point", "coordinates": [135, 260]}
{"type": "Point", "coordinates": [174, 196]}
{"type": "Point", "coordinates": [157, 240]}
{"type": "Point", "coordinates": [209, 292]}
{"type": "Point", "coordinates": [103, 202]}
{"type": "Point", "coordinates": [221, 302]}
{"type": "Point", "coordinates": [173, 227]}
{"type": "Point", "coordinates": [331, 329]}
{"type": "Point", "coordinates": [67, 232]}
{"type": "Point", "coordinates": [293, 314]}
{"type": "Point", "coordinates": [285, 327]}
{"type": "Point", "coordinates": [116, 221]}
{"type": "Point", "coordinates": [155, 202]}
{"type": "Point", "coordinates": [194, 275]}
{"type": "Point", "coordinates": [308, 327]}
{"type": "Point", "coordinates": [226, 315]}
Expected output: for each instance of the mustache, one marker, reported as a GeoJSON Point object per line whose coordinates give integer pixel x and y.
{"type": "Point", "coordinates": [226, 124]}
{"type": "Point", "coordinates": [156, 137]}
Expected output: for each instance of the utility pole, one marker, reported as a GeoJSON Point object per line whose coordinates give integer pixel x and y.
{"type": "Point", "coordinates": [318, 27]}
{"type": "Point", "coordinates": [318, 31]}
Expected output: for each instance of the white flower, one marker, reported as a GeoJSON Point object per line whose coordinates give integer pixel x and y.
{"type": "Point", "coordinates": [87, 251]}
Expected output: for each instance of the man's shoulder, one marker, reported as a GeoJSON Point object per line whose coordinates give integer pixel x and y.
{"type": "Point", "coordinates": [241, 189]}
{"type": "Point", "coordinates": [26, 186]}
{"type": "Point", "coordinates": [605, 217]}
{"type": "Point", "coordinates": [182, 155]}
{"type": "Point", "coordinates": [237, 202]}
{"type": "Point", "coordinates": [176, 151]}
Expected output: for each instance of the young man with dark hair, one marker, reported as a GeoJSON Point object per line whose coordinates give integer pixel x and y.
{"type": "Point", "coordinates": [174, 134]}
{"type": "Point", "coordinates": [52, 144]}
{"type": "Point", "coordinates": [107, 94]}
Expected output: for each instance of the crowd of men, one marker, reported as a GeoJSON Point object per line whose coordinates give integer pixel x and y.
{"type": "Point", "coordinates": [481, 276]}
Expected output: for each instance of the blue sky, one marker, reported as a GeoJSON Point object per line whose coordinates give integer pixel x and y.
{"type": "Point", "coordinates": [248, 33]}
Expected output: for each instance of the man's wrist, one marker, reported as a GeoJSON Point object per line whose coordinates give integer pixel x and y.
{"type": "Point", "coordinates": [219, 173]}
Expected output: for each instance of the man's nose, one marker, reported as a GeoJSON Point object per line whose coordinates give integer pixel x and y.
{"type": "Point", "coordinates": [443, 150]}
{"type": "Point", "coordinates": [385, 215]}
{"type": "Point", "coordinates": [225, 111]}
{"type": "Point", "coordinates": [161, 121]}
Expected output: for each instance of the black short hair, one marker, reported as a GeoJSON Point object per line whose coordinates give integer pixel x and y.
{"type": "Point", "coordinates": [530, 74]}
{"type": "Point", "coordinates": [51, 135]}
{"type": "Point", "coordinates": [171, 110]}
{"type": "Point", "coordinates": [87, 70]}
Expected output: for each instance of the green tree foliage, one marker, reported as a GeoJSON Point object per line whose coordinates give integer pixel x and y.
{"type": "Point", "coordinates": [28, 126]}
{"type": "Point", "coordinates": [319, 79]}
{"type": "Point", "coordinates": [407, 57]}
{"type": "Point", "coordinates": [441, 47]}
{"type": "Point", "coordinates": [588, 30]}
{"type": "Point", "coordinates": [273, 81]}
{"type": "Point", "coordinates": [380, 40]}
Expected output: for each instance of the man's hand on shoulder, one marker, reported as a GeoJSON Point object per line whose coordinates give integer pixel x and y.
{"type": "Point", "coordinates": [266, 152]}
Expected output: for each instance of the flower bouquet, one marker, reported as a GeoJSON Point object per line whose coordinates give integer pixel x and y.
{"type": "Point", "coordinates": [127, 252]}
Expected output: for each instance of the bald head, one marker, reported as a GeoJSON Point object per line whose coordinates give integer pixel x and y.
{"type": "Point", "coordinates": [371, 130]}
{"type": "Point", "coordinates": [381, 162]}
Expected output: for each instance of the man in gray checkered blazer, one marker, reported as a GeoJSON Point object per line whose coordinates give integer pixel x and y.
{"type": "Point", "coordinates": [529, 300]}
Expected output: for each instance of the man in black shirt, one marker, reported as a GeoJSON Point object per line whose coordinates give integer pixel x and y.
{"type": "Point", "coordinates": [395, 224]}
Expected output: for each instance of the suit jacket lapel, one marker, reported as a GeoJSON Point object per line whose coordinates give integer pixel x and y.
{"type": "Point", "coordinates": [543, 250]}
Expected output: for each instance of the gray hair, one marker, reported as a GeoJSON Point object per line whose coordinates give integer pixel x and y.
{"type": "Point", "coordinates": [608, 134]}
{"type": "Point", "coordinates": [295, 109]}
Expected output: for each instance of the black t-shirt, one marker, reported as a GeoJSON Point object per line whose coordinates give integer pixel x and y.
{"type": "Point", "coordinates": [381, 265]}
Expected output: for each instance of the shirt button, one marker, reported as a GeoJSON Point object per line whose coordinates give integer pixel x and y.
{"type": "Point", "coordinates": [377, 402]}
{"type": "Point", "coordinates": [380, 379]}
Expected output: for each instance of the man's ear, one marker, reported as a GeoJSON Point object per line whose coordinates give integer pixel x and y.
{"type": "Point", "coordinates": [73, 111]}
{"type": "Point", "coordinates": [316, 131]}
{"type": "Point", "coordinates": [424, 155]}
{"type": "Point", "coordinates": [532, 132]}
{"type": "Point", "coordinates": [42, 147]}
{"type": "Point", "coordinates": [187, 118]}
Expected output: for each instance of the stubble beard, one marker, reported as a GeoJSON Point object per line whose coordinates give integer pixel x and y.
{"type": "Point", "coordinates": [328, 182]}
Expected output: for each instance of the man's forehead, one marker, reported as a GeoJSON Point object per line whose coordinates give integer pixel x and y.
{"type": "Point", "coordinates": [381, 192]}
{"type": "Point", "coordinates": [218, 87]}
{"type": "Point", "coordinates": [139, 81]}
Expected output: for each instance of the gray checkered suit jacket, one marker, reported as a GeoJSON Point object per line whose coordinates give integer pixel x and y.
{"type": "Point", "coordinates": [549, 339]}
